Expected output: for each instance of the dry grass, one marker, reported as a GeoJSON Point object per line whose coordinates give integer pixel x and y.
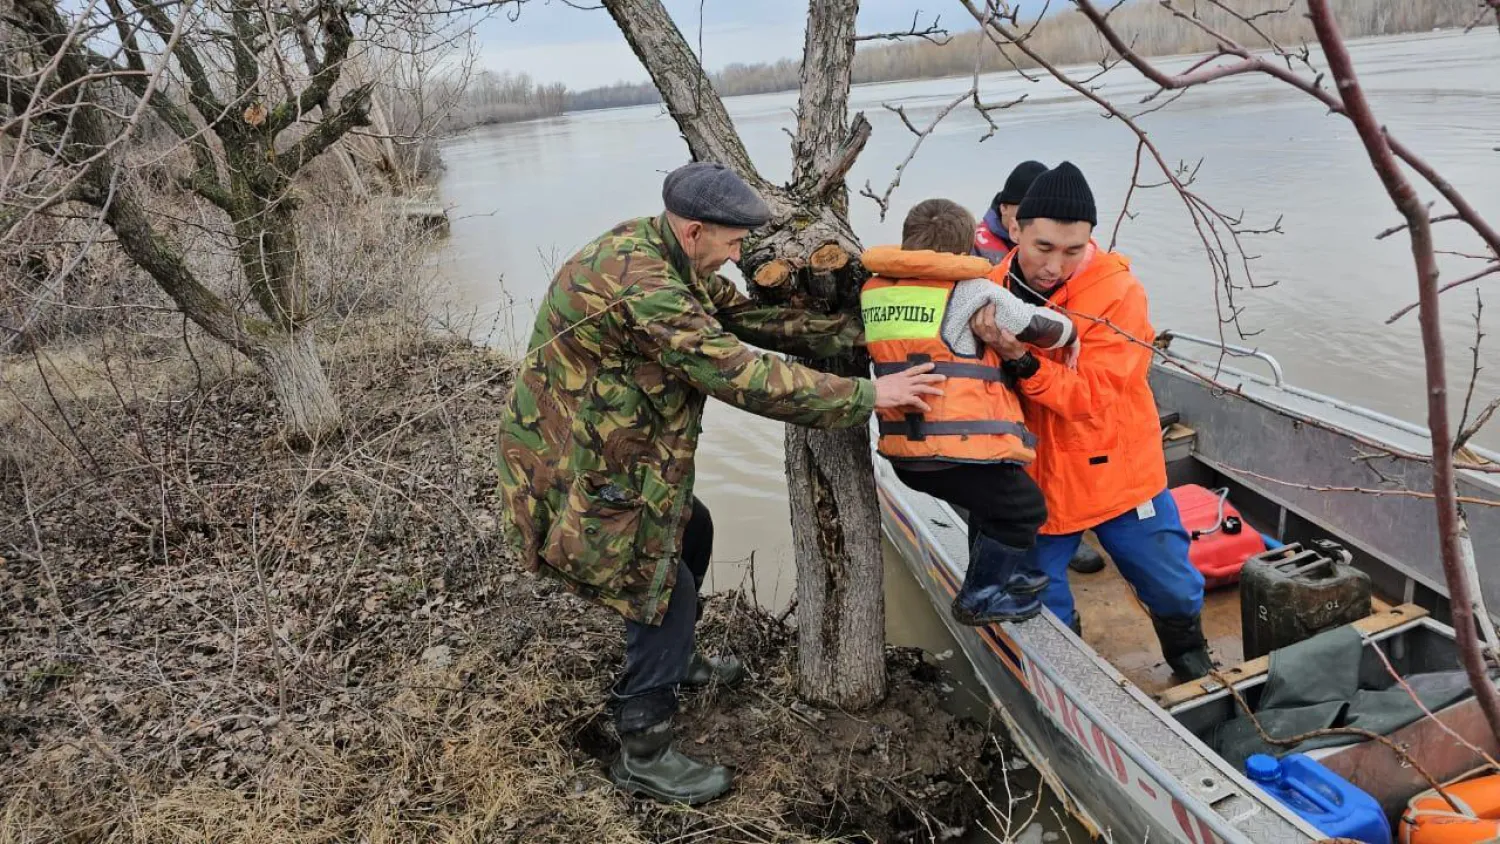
{"type": "Point", "coordinates": [210, 637]}
{"type": "Point", "coordinates": [454, 766]}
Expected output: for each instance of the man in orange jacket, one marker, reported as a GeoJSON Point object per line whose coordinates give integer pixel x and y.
{"type": "Point", "coordinates": [1099, 456]}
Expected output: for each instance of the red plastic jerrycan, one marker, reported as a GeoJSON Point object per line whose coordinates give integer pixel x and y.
{"type": "Point", "coordinates": [1221, 541]}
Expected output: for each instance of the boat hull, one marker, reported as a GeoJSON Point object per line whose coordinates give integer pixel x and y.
{"type": "Point", "coordinates": [1105, 778]}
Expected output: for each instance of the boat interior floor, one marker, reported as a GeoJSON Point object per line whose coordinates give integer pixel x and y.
{"type": "Point", "coordinates": [1117, 626]}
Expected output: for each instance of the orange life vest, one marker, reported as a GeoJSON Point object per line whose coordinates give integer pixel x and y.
{"type": "Point", "coordinates": [978, 418]}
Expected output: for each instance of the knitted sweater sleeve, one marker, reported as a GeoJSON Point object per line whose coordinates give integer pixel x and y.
{"type": "Point", "coordinates": [1040, 326]}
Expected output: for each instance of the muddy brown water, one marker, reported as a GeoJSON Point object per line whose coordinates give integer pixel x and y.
{"type": "Point", "coordinates": [523, 197]}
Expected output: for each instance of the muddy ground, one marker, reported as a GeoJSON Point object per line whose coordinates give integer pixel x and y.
{"type": "Point", "coordinates": [210, 636]}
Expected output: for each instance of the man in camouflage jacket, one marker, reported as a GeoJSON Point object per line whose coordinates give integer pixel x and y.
{"type": "Point", "coordinates": [597, 447]}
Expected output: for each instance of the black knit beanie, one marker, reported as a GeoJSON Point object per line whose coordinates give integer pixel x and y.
{"type": "Point", "coordinates": [1017, 183]}
{"type": "Point", "coordinates": [1061, 193]}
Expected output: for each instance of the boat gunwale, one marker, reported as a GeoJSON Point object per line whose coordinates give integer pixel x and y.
{"type": "Point", "coordinates": [1181, 365]}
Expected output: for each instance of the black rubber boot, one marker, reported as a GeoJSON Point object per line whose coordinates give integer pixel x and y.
{"type": "Point", "coordinates": [649, 765]}
{"type": "Point", "coordinates": [1027, 583]}
{"type": "Point", "coordinates": [985, 597]}
{"type": "Point", "coordinates": [1077, 625]}
{"type": "Point", "coordinates": [1086, 560]}
{"type": "Point", "coordinates": [1183, 645]}
{"type": "Point", "coordinates": [726, 671]}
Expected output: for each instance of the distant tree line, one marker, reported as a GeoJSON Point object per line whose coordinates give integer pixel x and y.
{"type": "Point", "coordinates": [490, 97]}
{"type": "Point", "coordinates": [1067, 38]}
{"type": "Point", "coordinates": [734, 80]}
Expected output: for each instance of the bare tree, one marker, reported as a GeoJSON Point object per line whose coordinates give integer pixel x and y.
{"type": "Point", "coordinates": [237, 84]}
{"type": "Point", "coordinates": [1387, 154]}
{"type": "Point", "coordinates": [806, 255]}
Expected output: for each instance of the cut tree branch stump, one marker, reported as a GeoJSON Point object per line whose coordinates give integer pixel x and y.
{"type": "Point", "coordinates": [828, 258]}
{"type": "Point", "coordinates": [773, 274]}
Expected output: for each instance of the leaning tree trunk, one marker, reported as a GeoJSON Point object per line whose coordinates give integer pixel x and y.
{"type": "Point", "coordinates": [82, 114]}
{"type": "Point", "coordinates": [807, 256]}
{"type": "Point", "coordinates": [309, 408]}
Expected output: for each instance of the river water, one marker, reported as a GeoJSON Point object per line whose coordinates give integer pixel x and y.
{"type": "Point", "coordinates": [523, 197]}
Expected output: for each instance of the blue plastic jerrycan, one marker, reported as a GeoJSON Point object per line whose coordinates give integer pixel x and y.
{"type": "Point", "coordinates": [1321, 797]}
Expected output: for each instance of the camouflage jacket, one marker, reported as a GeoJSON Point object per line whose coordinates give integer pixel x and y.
{"type": "Point", "coordinates": [597, 446]}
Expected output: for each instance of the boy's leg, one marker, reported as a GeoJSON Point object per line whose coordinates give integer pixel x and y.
{"type": "Point", "coordinates": [1002, 500]}
{"type": "Point", "coordinates": [1016, 511]}
{"type": "Point", "coordinates": [1005, 508]}
{"type": "Point", "coordinates": [1150, 548]}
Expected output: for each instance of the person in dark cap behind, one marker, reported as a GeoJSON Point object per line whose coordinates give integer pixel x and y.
{"type": "Point", "coordinates": [1099, 456]}
{"type": "Point", "coordinates": [992, 233]}
{"type": "Point", "coordinates": [595, 469]}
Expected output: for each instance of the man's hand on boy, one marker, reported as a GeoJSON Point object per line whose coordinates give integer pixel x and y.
{"type": "Point", "coordinates": [904, 390]}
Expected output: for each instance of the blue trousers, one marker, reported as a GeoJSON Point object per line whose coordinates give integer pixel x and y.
{"type": "Point", "coordinates": [1151, 552]}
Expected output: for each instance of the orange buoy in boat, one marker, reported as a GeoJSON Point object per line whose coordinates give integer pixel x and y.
{"type": "Point", "coordinates": [1429, 819]}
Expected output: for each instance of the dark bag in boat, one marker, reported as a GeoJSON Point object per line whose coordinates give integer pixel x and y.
{"type": "Point", "coordinates": [1292, 593]}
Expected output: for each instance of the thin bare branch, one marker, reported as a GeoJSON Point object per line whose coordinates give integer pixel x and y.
{"type": "Point", "coordinates": [884, 200]}
{"type": "Point", "coordinates": [1479, 422]}
{"type": "Point", "coordinates": [1468, 279]}
{"type": "Point", "coordinates": [1135, 179]}
{"type": "Point", "coordinates": [1397, 229]}
{"type": "Point", "coordinates": [933, 32]}
{"type": "Point", "coordinates": [1356, 490]}
{"type": "Point", "coordinates": [1463, 418]}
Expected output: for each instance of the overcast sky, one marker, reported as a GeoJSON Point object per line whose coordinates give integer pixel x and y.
{"type": "Point", "coordinates": [557, 43]}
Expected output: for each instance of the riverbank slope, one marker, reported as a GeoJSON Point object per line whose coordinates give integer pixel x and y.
{"type": "Point", "coordinates": [212, 637]}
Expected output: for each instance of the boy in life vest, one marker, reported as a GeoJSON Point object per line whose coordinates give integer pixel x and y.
{"type": "Point", "coordinates": [971, 448]}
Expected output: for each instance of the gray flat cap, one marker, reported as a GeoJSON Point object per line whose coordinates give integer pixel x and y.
{"type": "Point", "coordinates": [712, 193]}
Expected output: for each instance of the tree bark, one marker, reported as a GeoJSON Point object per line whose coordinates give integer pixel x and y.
{"type": "Point", "coordinates": [300, 383]}
{"type": "Point", "coordinates": [835, 514]}
{"type": "Point", "coordinates": [823, 100]}
{"type": "Point", "coordinates": [840, 568]}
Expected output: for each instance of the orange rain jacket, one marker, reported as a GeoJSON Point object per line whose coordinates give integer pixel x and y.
{"type": "Point", "coordinates": [1099, 451]}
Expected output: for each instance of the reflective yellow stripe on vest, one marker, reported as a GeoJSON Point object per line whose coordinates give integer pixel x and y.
{"type": "Point", "coordinates": [903, 313]}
